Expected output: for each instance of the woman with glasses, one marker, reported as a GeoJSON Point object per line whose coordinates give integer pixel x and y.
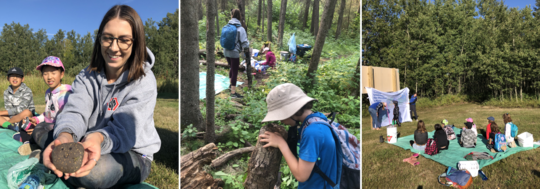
{"type": "Point", "coordinates": [111, 109]}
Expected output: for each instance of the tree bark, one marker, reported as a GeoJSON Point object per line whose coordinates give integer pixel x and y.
{"type": "Point", "coordinates": [217, 18]}
{"type": "Point", "coordinates": [315, 18]}
{"type": "Point", "coordinates": [240, 4]}
{"type": "Point", "coordinates": [200, 10]}
{"type": "Point", "coordinates": [319, 42]}
{"type": "Point", "coordinates": [189, 49]}
{"type": "Point", "coordinates": [223, 5]}
{"type": "Point", "coordinates": [263, 15]}
{"type": "Point", "coordinates": [340, 19]}
{"type": "Point", "coordinates": [356, 79]}
{"type": "Point", "coordinates": [305, 14]}
{"type": "Point", "coordinates": [282, 13]}
{"type": "Point", "coordinates": [192, 175]}
{"type": "Point", "coordinates": [221, 160]}
{"type": "Point", "coordinates": [349, 16]}
{"type": "Point", "coordinates": [264, 163]}
{"type": "Point", "coordinates": [259, 13]}
{"type": "Point", "coordinates": [269, 21]}
{"type": "Point", "coordinates": [210, 135]}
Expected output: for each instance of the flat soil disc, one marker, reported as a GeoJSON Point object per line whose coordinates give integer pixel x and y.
{"type": "Point", "coordinates": [68, 157]}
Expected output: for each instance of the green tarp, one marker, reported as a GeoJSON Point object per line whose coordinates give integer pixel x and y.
{"type": "Point", "coordinates": [9, 157]}
{"type": "Point", "coordinates": [456, 153]}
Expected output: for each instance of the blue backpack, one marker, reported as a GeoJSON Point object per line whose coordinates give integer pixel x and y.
{"type": "Point", "coordinates": [500, 141]}
{"type": "Point", "coordinates": [514, 130]}
{"type": "Point", "coordinates": [228, 36]}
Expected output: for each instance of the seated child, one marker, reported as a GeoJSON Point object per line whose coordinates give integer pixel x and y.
{"type": "Point", "coordinates": [473, 126]}
{"type": "Point", "coordinates": [494, 130]}
{"type": "Point", "coordinates": [395, 121]}
{"type": "Point", "coordinates": [508, 130]}
{"type": "Point", "coordinates": [488, 127]}
{"type": "Point", "coordinates": [18, 101]}
{"type": "Point", "coordinates": [420, 137]}
{"type": "Point", "coordinates": [56, 96]}
{"type": "Point", "coordinates": [468, 137]}
{"type": "Point", "coordinates": [440, 137]}
{"type": "Point", "coordinates": [270, 59]}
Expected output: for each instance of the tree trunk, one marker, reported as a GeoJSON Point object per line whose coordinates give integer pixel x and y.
{"type": "Point", "coordinates": [224, 6]}
{"type": "Point", "coordinates": [515, 90]}
{"type": "Point", "coordinates": [200, 13]}
{"type": "Point", "coordinates": [221, 160]}
{"type": "Point", "coordinates": [189, 49]}
{"type": "Point", "coordinates": [349, 16]}
{"type": "Point", "coordinates": [269, 21]}
{"type": "Point", "coordinates": [319, 42]}
{"type": "Point", "coordinates": [340, 19]}
{"type": "Point", "coordinates": [281, 29]}
{"type": "Point", "coordinates": [259, 13]}
{"type": "Point", "coordinates": [192, 175]}
{"type": "Point", "coordinates": [210, 135]}
{"type": "Point", "coordinates": [356, 79]}
{"type": "Point", "coordinates": [263, 15]}
{"type": "Point", "coordinates": [217, 18]}
{"type": "Point", "coordinates": [264, 163]}
{"type": "Point", "coordinates": [315, 18]}
{"type": "Point", "coordinates": [305, 15]}
{"type": "Point", "coordinates": [241, 7]}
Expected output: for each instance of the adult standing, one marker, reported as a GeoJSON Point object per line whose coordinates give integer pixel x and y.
{"type": "Point", "coordinates": [412, 104]}
{"type": "Point", "coordinates": [233, 56]}
{"type": "Point", "coordinates": [111, 109]}
{"type": "Point", "coordinates": [376, 116]}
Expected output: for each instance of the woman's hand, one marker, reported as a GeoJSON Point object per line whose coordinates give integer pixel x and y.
{"type": "Point", "coordinates": [62, 138]}
{"type": "Point", "coordinates": [272, 139]}
{"type": "Point", "coordinates": [92, 153]}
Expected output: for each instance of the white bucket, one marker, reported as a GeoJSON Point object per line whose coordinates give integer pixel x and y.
{"type": "Point", "coordinates": [391, 134]}
{"type": "Point", "coordinates": [284, 55]}
{"type": "Point", "coordinates": [525, 139]}
{"type": "Point", "coordinates": [471, 166]}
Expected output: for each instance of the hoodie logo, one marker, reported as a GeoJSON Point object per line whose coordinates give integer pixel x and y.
{"type": "Point", "coordinates": [113, 104]}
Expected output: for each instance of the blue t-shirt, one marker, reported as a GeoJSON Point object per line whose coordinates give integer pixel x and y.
{"type": "Point", "coordinates": [374, 105]}
{"type": "Point", "coordinates": [318, 145]}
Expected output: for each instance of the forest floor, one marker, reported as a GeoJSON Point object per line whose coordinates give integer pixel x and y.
{"type": "Point", "coordinates": [383, 166]}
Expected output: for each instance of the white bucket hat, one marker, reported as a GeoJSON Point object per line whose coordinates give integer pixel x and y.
{"type": "Point", "coordinates": [284, 100]}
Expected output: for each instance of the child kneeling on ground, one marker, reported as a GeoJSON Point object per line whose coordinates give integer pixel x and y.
{"type": "Point", "coordinates": [18, 101]}
{"type": "Point", "coordinates": [52, 70]}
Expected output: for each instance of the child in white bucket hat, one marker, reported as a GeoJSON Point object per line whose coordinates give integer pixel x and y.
{"type": "Point", "coordinates": [288, 104]}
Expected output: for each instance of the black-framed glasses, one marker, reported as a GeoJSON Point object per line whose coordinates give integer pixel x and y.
{"type": "Point", "coordinates": [123, 42]}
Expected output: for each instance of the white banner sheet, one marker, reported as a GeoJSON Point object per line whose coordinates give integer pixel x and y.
{"type": "Point", "coordinates": [401, 96]}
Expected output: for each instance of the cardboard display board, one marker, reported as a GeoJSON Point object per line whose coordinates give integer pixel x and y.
{"type": "Point", "coordinates": [382, 79]}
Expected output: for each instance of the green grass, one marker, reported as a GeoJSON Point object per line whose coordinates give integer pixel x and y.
{"type": "Point", "coordinates": [383, 166]}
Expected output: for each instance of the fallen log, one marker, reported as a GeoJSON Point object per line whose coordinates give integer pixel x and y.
{"type": "Point", "coordinates": [221, 160]}
{"type": "Point", "coordinates": [264, 163]}
{"type": "Point", "coordinates": [192, 174]}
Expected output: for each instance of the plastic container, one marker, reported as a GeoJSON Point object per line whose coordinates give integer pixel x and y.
{"type": "Point", "coordinates": [471, 166]}
{"type": "Point", "coordinates": [31, 182]}
{"type": "Point", "coordinates": [391, 134]}
{"type": "Point", "coordinates": [284, 55]}
{"type": "Point", "coordinates": [525, 139]}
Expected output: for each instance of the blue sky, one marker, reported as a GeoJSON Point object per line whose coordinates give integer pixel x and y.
{"type": "Point", "coordinates": [81, 16]}
{"type": "Point", "coordinates": [519, 3]}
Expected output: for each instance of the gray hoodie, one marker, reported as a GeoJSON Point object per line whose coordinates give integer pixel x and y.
{"type": "Point", "coordinates": [122, 111]}
{"type": "Point", "coordinates": [241, 40]}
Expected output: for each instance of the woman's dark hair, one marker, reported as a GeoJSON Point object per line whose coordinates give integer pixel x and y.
{"type": "Point", "coordinates": [306, 106]}
{"type": "Point", "coordinates": [507, 118]}
{"type": "Point", "coordinates": [235, 13]}
{"type": "Point", "coordinates": [421, 127]}
{"type": "Point", "coordinates": [494, 128]}
{"type": "Point", "coordinates": [438, 127]}
{"type": "Point", "coordinates": [138, 51]}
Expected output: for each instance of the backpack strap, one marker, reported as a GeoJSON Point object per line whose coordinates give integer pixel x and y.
{"type": "Point", "coordinates": [317, 170]}
{"type": "Point", "coordinates": [333, 115]}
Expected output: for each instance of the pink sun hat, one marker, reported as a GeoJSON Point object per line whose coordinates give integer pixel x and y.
{"type": "Point", "coordinates": [469, 120]}
{"type": "Point", "coordinates": [51, 61]}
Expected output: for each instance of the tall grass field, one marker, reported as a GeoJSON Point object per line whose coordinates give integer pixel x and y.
{"type": "Point", "coordinates": [383, 166]}
{"type": "Point", "coordinates": [164, 173]}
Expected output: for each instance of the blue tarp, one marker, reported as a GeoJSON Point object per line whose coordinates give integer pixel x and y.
{"type": "Point", "coordinates": [221, 83]}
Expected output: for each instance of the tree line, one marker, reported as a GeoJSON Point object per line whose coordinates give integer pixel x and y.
{"type": "Point", "coordinates": [483, 49]}
{"type": "Point", "coordinates": [22, 46]}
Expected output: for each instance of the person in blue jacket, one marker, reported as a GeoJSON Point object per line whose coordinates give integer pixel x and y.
{"type": "Point", "coordinates": [375, 110]}
{"type": "Point", "coordinates": [412, 104]}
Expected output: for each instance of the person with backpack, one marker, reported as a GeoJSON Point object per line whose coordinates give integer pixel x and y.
{"type": "Point", "coordinates": [420, 136]}
{"type": "Point", "coordinates": [473, 128]}
{"type": "Point", "coordinates": [323, 155]}
{"type": "Point", "coordinates": [440, 138]}
{"type": "Point", "coordinates": [376, 116]}
{"type": "Point", "coordinates": [468, 138]}
{"type": "Point", "coordinates": [491, 120]}
{"type": "Point", "coordinates": [449, 130]}
{"type": "Point", "coordinates": [510, 130]}
{"type": "Point", "coordinates": [412, 104]}
{"type": "Point", "coordinates": [396, 121]}
{"type": "Point", "coordinates": [234, 41]}
{"type": "Point", "coordinates": [495, 139]}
